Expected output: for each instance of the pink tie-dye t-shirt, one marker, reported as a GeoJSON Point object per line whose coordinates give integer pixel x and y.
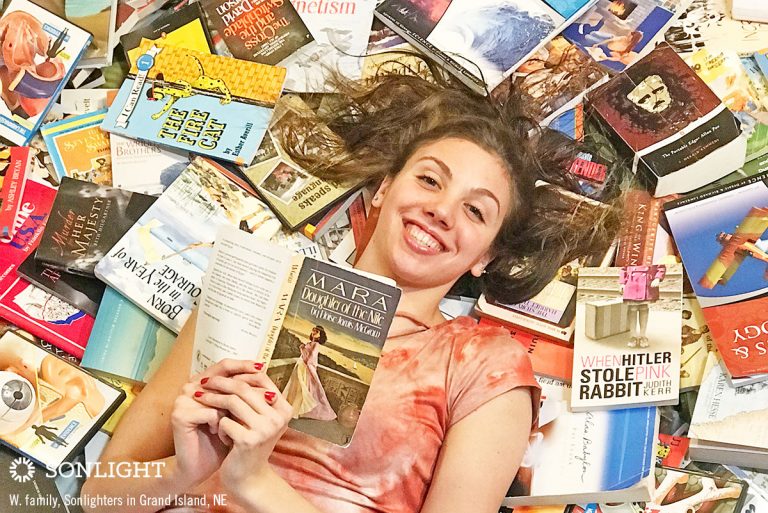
{"type": "Point", "coordinates": [425, 382]}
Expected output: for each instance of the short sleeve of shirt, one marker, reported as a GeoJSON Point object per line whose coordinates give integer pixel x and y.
{"type": "Point", "coordinates": [486, 363]}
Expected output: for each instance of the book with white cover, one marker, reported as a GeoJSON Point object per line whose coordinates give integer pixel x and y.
{"type": "Point", "coordinates": [143, 166]}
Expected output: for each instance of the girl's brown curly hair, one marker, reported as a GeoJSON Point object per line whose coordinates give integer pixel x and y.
{"type": "Point", "coordinates": [379, 123]}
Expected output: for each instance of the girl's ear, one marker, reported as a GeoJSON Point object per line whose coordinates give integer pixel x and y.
{"type": "Point", "coordinates": [378, 198]}
{"type": "Point", "coordinates": [478, 269]}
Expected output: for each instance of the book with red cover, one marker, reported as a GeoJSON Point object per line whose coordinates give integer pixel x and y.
{"type": "Point", "coordinates": [548, 358]}
{"type": "Point", "coordinates": [25, 305]}
{"type": "Point", "coordinates": [722, 239]}
{"type": "Point", "coordinates": [638, 231]}
{"type": "Point", "coordinates": [10, 197]}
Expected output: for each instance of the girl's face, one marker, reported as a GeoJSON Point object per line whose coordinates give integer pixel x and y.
{"type": "Point", "coordinates": [440, 214]}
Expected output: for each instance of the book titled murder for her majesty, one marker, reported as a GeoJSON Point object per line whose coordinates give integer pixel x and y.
{"type": "Point", "coordinates": [626, 348]}
{"type": "Point", "coordinates": [212, 105]}
{"type": "Point", "coordinates": [321, 327]}
{"type": "Point", "coordinates": [86, 221]}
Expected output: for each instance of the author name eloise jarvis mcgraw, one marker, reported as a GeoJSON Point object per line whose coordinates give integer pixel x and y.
{"type": "Point", "coordinates": [456, 197]}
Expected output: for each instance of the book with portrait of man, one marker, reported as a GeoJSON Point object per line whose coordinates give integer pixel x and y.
{"type": "Point", "coordinates": [318, 326]}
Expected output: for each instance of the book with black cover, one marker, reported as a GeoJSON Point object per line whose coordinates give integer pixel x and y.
{"type": "Point", "coordinates": [86, 221]}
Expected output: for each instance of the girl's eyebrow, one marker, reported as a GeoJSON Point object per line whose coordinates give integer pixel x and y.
{"type": "Point", "coordinates": [447, 170]}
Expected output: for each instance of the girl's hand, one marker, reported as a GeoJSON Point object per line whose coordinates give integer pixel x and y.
{"type": "Point", "coordinates": [199, 449]}
{"type": "Point", "coordinates": [257, 416]}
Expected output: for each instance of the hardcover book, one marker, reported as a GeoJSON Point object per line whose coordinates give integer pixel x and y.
{"type": "Point", "coordinates": [293, 194]}
{"type": "Point", "coordinates": [144, 167]}
{"type": "Point", "coordinates": [320, 327]}
{"type": "Point", "coordinates": [159, 263]}
{"type": "Point", "coordinates": [41, 62]}
{"type": "Point", "coordinates": [86, 221]}
{"type": "Point", "coordinates": [25, 305]}
{"type": "Point", "coordinates": [602, 456]}
{"type": "Point", "coordinates": [126, 342]}
{"type": "Point", "coordinates": [615, 33]}
{"type": "Point", "coordinates": [626, 348]}
{"type": "Point", "coordinates": [472, 40]}
{"type": "Point", "coordinates": [96, 17]}
{"type": "Point", "coordinates": [265, 31]}
{"type": "Point", "coordinates": [82, 292]}
{"type": "Point", "coordinates": [721, 236]}
{"type": "Point", "coordinates": [640, 226]}
{"type": "Point", "coordinates": [185, 28]}
{"type": "Point", "coordinates": [79, 148]}
{"type": "Point", "coordinates": [51, 407]}
{"type": "Point", "coordinates": [730, 416]}
{"type": "Point", "coordinates": [212, 105]}
{"type": "Point", "coordinates": [676, 131]}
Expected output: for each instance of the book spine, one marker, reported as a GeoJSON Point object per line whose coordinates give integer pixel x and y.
{"type": "Point", "coordinates": [638, 236]}
{"type": "Point", "coordinates": [358, 219]}
{"type": "Point", "coordinates": [281, 308]}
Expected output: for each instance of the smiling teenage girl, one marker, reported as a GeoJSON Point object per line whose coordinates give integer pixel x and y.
{"type": "Point", "coordinates": [451, 404]}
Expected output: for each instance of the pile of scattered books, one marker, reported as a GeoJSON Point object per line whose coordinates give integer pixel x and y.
{"type": "Point", "coordinates": [143, 175]}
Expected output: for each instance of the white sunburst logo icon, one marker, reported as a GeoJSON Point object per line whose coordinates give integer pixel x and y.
{"type": "Point", "coordinates": [22, 470]}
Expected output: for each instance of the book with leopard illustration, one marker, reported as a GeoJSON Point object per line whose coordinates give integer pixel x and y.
{"type": "Point", "coordinates": [209, 104]}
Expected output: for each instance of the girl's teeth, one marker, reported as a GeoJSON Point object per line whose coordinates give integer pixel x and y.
{"type": "Point", "coordinates": [423, 238]}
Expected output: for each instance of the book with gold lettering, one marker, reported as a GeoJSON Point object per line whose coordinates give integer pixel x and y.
{"type": "Point", "coordinates": [320, 327]}
{"type": "Point", "coordinates": [86, 221]}
{"type": "Point", "coordinates": [208, 104]}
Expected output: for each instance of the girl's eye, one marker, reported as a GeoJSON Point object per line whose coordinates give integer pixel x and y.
{"type": "Point", "coordinates": [428, 180]}
{"type": "Point", "coordinates": [475, 212]}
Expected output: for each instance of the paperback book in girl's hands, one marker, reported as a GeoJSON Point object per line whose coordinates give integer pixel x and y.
{"type": "Point", "coordinates": [207, 104]}
{"type": "Point", "coordinates": [40, 51]}
{"type": "Point", "coordinates": [51, 407]}
{"type": "Point", "coordinates": [626, 349]}
{"type": "Point", "coordinates": [321, 327]}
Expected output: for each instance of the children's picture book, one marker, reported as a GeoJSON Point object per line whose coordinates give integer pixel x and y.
{"type": "Point", "coordinates": [184, 27]}
{"type": "Point", "coordinates": [688, 490]}
{"type": "Point", "coordinates": [126, 342]}
{"type": "Point", "coordinates": [340, 31]}
{"type": "Point", "coordinates": [472, 39]}
{"type": "Point", "coordinates": [615, 34]}
{"type": "Point", "coordinates": [697, 344]}
{"type": "Point", "coordinates": [721, 235]}
{"type": "Point", "coordinates": [29, 307]}
{"type": "Point", "coordinates": [144, 167]}
{"type": "Point", "coordinates": [292, 193]}
{"type": "Point", "coordinates": [726, 415]}
{"type": "Point", "coordinates": [82, 292]}
{"type": "Point", "coordinates": [51, 407]}
{"type": "Point", "coordinates": [626, 345]}
{"type": "Point", "coordinates": [676, 131]}
{"type": "Point", "coordinates": [97, 17]}
{"type": "Point", "coordinates": [265, 31]}
{"type": "Point", "coordinates": [159, 263]}
{"type": "Point", "coordinates": [601, 456]}
{"type": "Point", "coordinates": [212, 105]}
{"type": "Point", "coordinates": [44, 50]}
{"type": "Point", "coordinates": [79, 148]}
{"type": "Point", "coordinates": [320, 327]}
{"type": "Point", "coordinates": [86, 220]}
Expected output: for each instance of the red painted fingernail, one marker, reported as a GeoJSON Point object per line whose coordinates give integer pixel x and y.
{"type": "Point", "coordinates": [270, 396]}
{"type": "Point", "coordinates": [204, 381]}
{"type": "Point", "coordinates": [198, 394]}
{"type": "Point", "coordinates": [258, 366]}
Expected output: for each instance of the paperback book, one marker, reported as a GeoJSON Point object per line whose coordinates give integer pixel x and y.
{"type": "Point", "coordinates": [472, 39]}
{"type": "Point", "coordinates": [79, 148]}
{"type": "Point", "coordinates": [25, 305]}
{"type": "Point", "coordinates": [697, 344]}
{"type": "Point", "coordinates": [265, 31]}
{"type": "Point", "coordinates": [212, 105]}
{"type": "Point", "coordinates": [320, 327]}
{"type": "Point", "coordinates": [19, 166]}
{"type": "Point", "coordinates": [126, 342]}
{"type": "Point", "coordinates": [144, 167]}
{"type": "Point", "coordinates": [677, 489]}
{"type": "Point", "coordinates": [626, 347]}
{"type": "Point", "coordinates": [52, 407]}
{"type": "Point", "coordinates": [43, 60]}
{"type": "Point", "coordinates": [160, 261]}
{"type": "Point", "coordinates": [86, 221]}
{"type": "Point", "coordinates": [721, 236]}
{"type": "Point", "coordinates": [676, 131]}
{"type": "Point", "coordinates": [602, 456]}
